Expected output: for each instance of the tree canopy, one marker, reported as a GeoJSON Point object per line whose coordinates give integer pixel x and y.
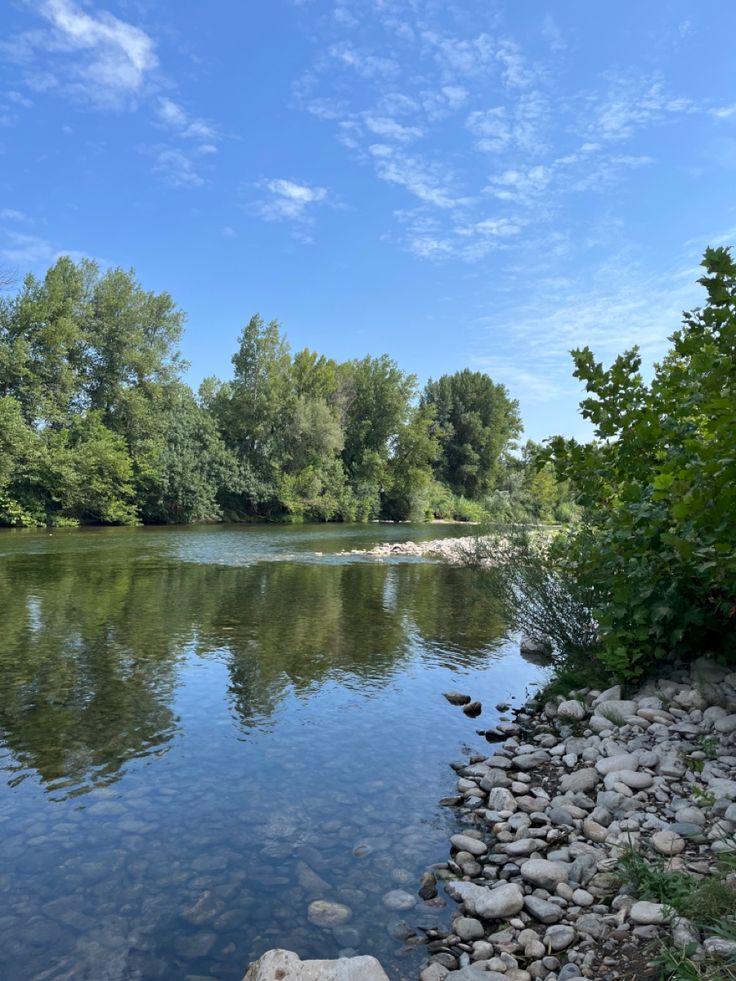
{"type": "Point", "coordinates": [98, 426]}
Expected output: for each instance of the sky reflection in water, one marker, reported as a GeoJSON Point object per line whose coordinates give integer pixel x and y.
{"type": "Point", "coordinates": [198, 726]}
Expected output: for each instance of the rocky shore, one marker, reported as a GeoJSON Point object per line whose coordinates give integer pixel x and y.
{"type": "Point", "coordinates": [455, 550]}
{"type": "Point", "coordinates": [547, 821]}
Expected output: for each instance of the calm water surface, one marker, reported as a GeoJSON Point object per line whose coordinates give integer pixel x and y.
{"type": "Point", "coordinates": [204, 729]}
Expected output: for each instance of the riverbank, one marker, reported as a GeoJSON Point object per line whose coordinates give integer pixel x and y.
{"type": "Point", "coordinates": [598, 833]}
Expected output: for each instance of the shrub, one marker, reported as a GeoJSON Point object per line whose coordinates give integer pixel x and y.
{"type": "Point", "coordinates": [540, 592]}
{"type": "Point", "coordinates": [658, 487]}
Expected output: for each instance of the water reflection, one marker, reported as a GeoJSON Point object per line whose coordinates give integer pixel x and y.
{"type": "Point", "coordinates": [194, 750]}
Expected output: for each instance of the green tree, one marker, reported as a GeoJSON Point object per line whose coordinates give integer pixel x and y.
{"type": "Point", "coordinates": [475, 421]}
{"type": "Point", "coordinates": [89, 474]}
{"type": "Point", "coordinates": [658, 486]}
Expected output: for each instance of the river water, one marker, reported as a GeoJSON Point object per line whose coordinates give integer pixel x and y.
{"type": "Point", "coordinates": [204, 729]}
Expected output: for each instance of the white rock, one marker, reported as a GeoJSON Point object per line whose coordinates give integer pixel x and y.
{"type": "Point", "coordinates": [623, 761]}
{"type": "Point", "coordinates": [464, 843]}
{"type": "Point", "coordinates": [541, 872]}
{"type": "Point", "coordinates": [285, 965]}
{"type": "Point", "coordinates": [668, 843]}
{"type": "Point", "coordinates": [572, 709]}
{"type": "Point", "coordinates": [643, 913]}
{"type": "Point", "coordinates": [492, 904]}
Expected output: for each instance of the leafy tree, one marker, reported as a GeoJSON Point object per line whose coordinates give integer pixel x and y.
{"type": "Point", "coordinates": [376, 399]}
{"type": "Point", "coordinates": [475, 422]}
{"type": "Point", "coordinates": [658, 486]}
{"type": "Point", "coordinates": [89, 473]}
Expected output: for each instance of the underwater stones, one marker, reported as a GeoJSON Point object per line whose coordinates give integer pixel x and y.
{"type": "Point", "coordinates": [428, 886]}
{"type": "Point", "coordinates": [456, 698]}
{"type": "Point", "coordinates": [205, 908]}
{"type": "Point", "coordinates": [398, 899]}
{"type": "Point", "coordinates": [325, 914]}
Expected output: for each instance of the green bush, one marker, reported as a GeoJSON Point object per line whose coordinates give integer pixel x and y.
{"type": "Point", "coordinates": [658, 487]}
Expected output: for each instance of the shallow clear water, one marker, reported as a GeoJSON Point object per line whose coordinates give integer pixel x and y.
{"type": "Point", "coordinates": [195, 723]}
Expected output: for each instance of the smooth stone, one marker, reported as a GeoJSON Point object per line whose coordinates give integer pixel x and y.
{"type": "Point", "coordinates": [726, 724]}
{"type": "Point", "coordinates": [463, 843]}
{"type": "Point", "coordinates": [545, 874]}
{"type": "Point", "coordinates": [579, 781]}
{"type": "Point", "coordinates": [399, 899]}
{"type": "Point", "coordinates": [644, 913]}
{"type": "Point", "coordinates": [542, 910]}
{"type": "Point", "coordinates": [623, 761]}
{"type": "Point", "coordinates": [491, 904]}
{"type": "Point", "coordinates": [325, 914]}
{"type": "Point", "coordinates": [456, 698]}
{"type": "Point", "coordinates": [668, 843]}
{"type": "Point", "coordinates": [468, 929]}
{"type": "Point", "coordinates": [559, 937]}
{"type": "Point", "coordinates": [276, 965]}
{"type": "Point", "coordinates": [594, 831]}
{"type": "Point", "coordinates": [571, 709]}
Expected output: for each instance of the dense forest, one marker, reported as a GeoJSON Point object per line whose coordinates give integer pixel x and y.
{"type": "Point", "coordinates": [97, 425]}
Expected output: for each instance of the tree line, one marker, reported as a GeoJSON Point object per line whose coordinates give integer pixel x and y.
{"type": "Point", "coordinates": [97, 425]}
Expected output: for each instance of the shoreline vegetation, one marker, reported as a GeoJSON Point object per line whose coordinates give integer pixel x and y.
{"type": "Point", "coordinates": [97, 425]}
{"type": "Point", "coordinates": [599, 839]}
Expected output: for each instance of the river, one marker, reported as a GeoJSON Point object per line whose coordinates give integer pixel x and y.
{"type": "Point", "coordinates": [204, 729]}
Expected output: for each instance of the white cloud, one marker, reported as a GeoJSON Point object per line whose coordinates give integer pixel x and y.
{"type": "Point", "coordinates": [11, 214]}
{"type": "Point", "coordinates": [428, 182]}
{"type": "Point", "coordinates": [177, 119]}
{"type": "Point", "coordinates": [289, 200]}
{"type": "Point", "coordinates": [95, 57]}
{"type": "Point", "coordinates": [176, 168]}
{"type": "Point", "coordinates": [30, 250]}
{"type": "Point", "coordinates": [363, 63]}
{"type": "Point", "coordinates": [629, 104]}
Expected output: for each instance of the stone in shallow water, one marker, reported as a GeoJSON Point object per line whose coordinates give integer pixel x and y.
{"type": "Point", "coordinates": [399, 899]}
{"type": "Point", "coordinates": [325, 914]}
{"type": "Point", "coordinates": [205, 908]}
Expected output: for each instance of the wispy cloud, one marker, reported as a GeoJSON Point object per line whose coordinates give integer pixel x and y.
{"type": "Point", "coordinates": [176, 168]}
{"type": "Point", "coordinates": [29, 250]}
{"type": "Point", "coordinates": [289, 200]}
{"type": "Point", "coordinates": [175, 118]}
{"type": "Point", "coordinates": [93, 56]}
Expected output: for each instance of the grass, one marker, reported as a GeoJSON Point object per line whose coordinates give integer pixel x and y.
{"type": "Point", "coordinates": [709, 903]}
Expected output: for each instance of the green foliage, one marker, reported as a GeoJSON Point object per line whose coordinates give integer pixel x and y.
{"type": "Point", "coordinates": [475, 421]}
{"type": "Point", "coordinates": [658, 488]}
{"type": "Point", "coordinates": [530, 575]}
{"type": "Point", "coordinates": [97, 426]}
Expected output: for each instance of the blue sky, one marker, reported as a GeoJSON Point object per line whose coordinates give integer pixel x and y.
{"type": "Point", "coordinates": [473, 183]}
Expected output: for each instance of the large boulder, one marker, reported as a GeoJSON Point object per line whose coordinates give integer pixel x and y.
{"type": "Point", "coordinates": [285, 965]}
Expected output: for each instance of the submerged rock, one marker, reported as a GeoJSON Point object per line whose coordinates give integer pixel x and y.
{"type": "Point", "coordinates": [456, 698]}
{"type": "Point", "coordinates": [325, 914]}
